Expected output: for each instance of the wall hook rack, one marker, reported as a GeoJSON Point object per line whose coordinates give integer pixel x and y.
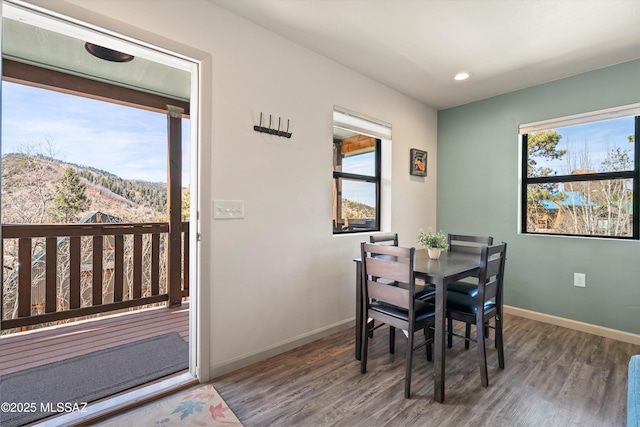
{"type": "Point", "coordinates": [271, 131]}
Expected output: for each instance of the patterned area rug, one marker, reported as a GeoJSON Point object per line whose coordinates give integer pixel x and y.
{"type": "Point", "coordinates": [197, 407]}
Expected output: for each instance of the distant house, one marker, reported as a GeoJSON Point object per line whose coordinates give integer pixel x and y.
{"type": "Point", "coordinates": [618, 220]}
{"type": "Point", "coordinates": [572, 209]}
{"type": "Point", "coordinates": [559, 205]}
{"type": "Point", "coordinates": [97, 217]}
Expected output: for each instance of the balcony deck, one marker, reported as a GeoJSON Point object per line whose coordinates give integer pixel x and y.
{"type": "Point", "coordinates": [41, 346]}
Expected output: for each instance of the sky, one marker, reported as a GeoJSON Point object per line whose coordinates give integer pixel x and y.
{"type": "Point", "coordinates": [361, 192]}
{"type": "Point", "coordinates": [128, 142]}
{"type": "Point", "coordinates": [599, 137]}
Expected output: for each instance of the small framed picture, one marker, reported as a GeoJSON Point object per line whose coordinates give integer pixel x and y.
{"type": "Point", "coordinates": [418, 162]}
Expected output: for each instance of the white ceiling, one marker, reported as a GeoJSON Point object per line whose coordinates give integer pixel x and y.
{"type": "Point", "coordinates": [417, 46]}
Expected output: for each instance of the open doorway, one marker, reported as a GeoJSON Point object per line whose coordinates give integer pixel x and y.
{"type": "Point", "coordinates": [96, 191]}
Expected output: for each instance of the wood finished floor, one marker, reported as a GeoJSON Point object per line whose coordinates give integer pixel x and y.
{"type": "Point", "coordinates": [553, 377]}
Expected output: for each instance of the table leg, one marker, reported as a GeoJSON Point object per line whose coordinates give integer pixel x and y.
{"type": "Point", "coordinates": [438, 392]}
{"type": "Point", "coordinates": [358, 309]}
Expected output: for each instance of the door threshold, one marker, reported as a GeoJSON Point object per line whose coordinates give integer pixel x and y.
{"type": "Point", "coordinates": [122, 402]}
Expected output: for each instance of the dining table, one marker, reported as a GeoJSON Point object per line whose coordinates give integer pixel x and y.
{"type": "Point", "coordinates": [450, 267]}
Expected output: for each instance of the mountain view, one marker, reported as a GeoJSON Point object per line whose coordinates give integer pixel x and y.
{"type": "Point", "coordinates": [356, 210]}
{"type": "Point", "coordinates": [35, 187]}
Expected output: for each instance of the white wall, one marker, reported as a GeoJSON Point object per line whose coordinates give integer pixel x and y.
{"type": "Point", "coordinates": [278, 277]}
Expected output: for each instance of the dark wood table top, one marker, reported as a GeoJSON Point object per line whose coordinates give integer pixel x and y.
{"type": "Point", "coordinates": [451, 266]}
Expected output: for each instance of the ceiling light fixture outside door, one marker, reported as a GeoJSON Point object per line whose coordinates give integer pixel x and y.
{"type": "Point", "coordinates": [462, 76]}
{"type": "Point", "coordinates": [107, 54]}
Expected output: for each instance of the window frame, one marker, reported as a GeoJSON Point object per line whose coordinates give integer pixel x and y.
{"type": "Point", "coordinates": [634, 175]}
{"type": "Point", "coordinates": [375, 179]}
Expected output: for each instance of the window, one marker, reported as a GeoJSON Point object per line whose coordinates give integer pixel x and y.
{"type": "Point", "coordinates": [356, 173]}
{"type": "Point", "coordinates": [580, 175]}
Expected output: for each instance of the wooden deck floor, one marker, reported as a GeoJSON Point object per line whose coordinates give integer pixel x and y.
{"type": "Point", "coordinates": [38, 347]}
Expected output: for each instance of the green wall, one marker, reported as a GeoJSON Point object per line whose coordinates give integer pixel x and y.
{"type": "Point", "coordinates": [478, 169]}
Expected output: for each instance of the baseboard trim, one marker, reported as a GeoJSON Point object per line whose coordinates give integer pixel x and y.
{"type": "Point", "coordinates": [574, 324]}
{"type": "Point", "coordinates": [251, 358]}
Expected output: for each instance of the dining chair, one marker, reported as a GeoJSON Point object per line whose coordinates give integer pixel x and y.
{"type": "Point", "coordinates": [472, 245]}
{"type": "Point", "coordinates": [423, 291]}
{"type": "Point", "coordinates": [384, 269]}
{"type": "Point", "coordinates": [484, 306]}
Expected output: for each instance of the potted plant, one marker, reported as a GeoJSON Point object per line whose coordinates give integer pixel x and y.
{"type": "Point", "coordinates": [434, 243]}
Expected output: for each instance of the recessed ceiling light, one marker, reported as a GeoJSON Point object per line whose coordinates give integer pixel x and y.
{"type": "Point", "coordinates": [462, 76]}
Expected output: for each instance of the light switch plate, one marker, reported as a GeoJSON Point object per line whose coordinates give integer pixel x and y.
{"type": "Point", "coordinates": [580, 280]}
{"type": "Point", "coordinates": [228, 209]}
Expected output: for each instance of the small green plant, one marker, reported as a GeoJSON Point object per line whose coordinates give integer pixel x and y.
{"type": "Point", "coordinates": [432, 240]}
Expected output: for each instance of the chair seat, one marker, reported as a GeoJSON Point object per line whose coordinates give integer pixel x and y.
{"type": "Point", "coordinates": [465, 304]}
{"type": "Point", "coordinates": [423, 310]}
{"type": "Point", "coordinates": [466, 288]}
{"type": "Point", "coordinates": [425, 292]}
{"type": "Point", "coordinates": [422, 292]}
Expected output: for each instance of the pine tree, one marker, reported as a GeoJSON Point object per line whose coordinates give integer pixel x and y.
{"type": "Point", "coordinates": [70, 198]}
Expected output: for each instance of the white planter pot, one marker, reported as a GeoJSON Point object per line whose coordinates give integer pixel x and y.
{"type": "Point", "coordinates": [434, 253]}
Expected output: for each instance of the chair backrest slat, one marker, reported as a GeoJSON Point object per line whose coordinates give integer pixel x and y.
{"type": "Point", "coordinates": [468, 244]}
{"type": "Point", "coordinates": [388, 293]}
{"type": "Point", "coordinates": [493, 267]}
{"type": "Point", "coordinates": [385, 238]}
{"type": "Point", "coordinates": [490, 290]}
{"type": "Point", "coordinates": [384, 268]}
{"type": "Point", "coordinates": [388, 269]}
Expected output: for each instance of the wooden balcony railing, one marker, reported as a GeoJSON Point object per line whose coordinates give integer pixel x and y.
{"type": "Point", "coordinates": [64, 271]}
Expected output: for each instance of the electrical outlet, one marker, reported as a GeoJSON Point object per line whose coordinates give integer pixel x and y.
{"type": "Point", "coordinates": [580, 280]}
